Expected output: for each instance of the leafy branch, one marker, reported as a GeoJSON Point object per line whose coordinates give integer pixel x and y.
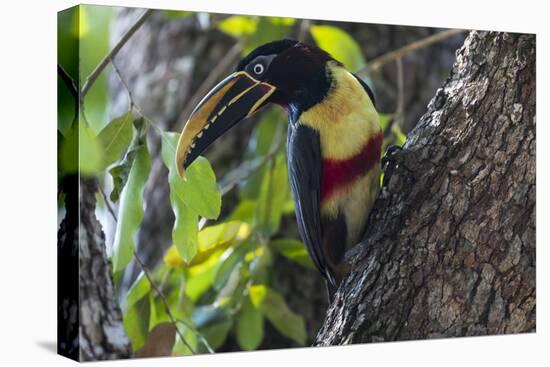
{"type": "Point", "coordinates": [90, 80]}
{"type": "Point", "coordinates": [164, 301]}
{"type": "Point", "coordinates": [377, 63]}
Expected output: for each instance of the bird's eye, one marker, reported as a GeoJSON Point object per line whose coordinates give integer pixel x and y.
{"type": "Point", "coordinates": [258, 69]}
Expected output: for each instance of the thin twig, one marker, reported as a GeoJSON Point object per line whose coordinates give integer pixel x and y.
{"type": "Point", "coordinates": [165, 302]}
{"type": "Point", "coordinates": [201, 337]}
{"type": "Point", "coordinates": [107, 204]}
{"type": "Point", "coordinates": [90, 80]}
{"type": "Point", "coordinates": [123, 82]}
{"type": "Point", "coordinates": [378, 62]}
{"type": "Point", "coordinates": [302, 29]}
{"type": "Point", "coordinates": [214, 75]}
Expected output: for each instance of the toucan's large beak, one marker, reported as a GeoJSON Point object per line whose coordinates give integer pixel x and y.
{"type": "Point", "coordinates": [236, 97]}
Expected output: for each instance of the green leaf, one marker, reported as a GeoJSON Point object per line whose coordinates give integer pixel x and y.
{"type": "Point", "coordinates": [68, 151]}
{"type": "Point", "coordinates": [250, 326]}
{"type": "Point", "coordinates": [274, 308]}
{"type": "Point", "coordinates": [197, 194]}
{"type": "Point", "coordinates": [293, 250]}
{"type": "Point", "coordinates": [136, 323]}
{"type": "Point", "coordinates": [340, 45]}
{"type": "Point", "coordinates": [89, 151]}
{"type": "Point", "coordinates": [238, 25]}
{"type": "Point", "coordinates": [180, 348]}
{"type": "Point", "coordinates": [254, 30]}
{"type": "Point", "coordinates": [201, 277]}
{"type": "Point", "coordinates": [273, 194]}
{"type": "Point", "coordinates": [399, 137]}
{"type": "Point", "coordinates": [184, 233]}
{"type": "Point", "coordinates": [138, 290]}
{"type": "Point", "coordinates": [211, 239]}
{"type": "Point", "coordinates": [268, 29]}
{"type": "Point", "coordinates": [177, 14]}
{"type": "Point", "coordinates": [244, 211]}
{"type": "Point", "coordinates": [115, 138]}
{"type": "Point", "coordinates": [229, 264]}
{"type": "Point", "coordinates": [198, 190]}
{"type": "Point", "coordinates": [384, 119]}
{"type": "Point", "coordinates": [121, 170]}
{"type": "Point", "coordinates": [217, 334]}
{"type": "Point", "coordinates": [204, 316]}
{"type": "Point", "coordinates": [130, 211]}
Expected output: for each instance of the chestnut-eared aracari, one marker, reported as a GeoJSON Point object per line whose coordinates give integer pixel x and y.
{"type": "Point", "coordinates": [334, 140]}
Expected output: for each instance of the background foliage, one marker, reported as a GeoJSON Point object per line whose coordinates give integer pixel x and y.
{"type": "Point", "coordinates": [216, 277]}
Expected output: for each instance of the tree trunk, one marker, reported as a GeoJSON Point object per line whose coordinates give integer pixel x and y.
{"type": "Point", "coordinates": [450, 246]}
{"type": "Point", "coordinates": [102, 334]}
{"type": "Point", "coordinates": [90, 322]}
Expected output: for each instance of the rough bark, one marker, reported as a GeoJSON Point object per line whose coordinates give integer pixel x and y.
{"type": "Point", "coordinates": [450, 247]}
{"type": "Point", "coordinates": [101, 333]}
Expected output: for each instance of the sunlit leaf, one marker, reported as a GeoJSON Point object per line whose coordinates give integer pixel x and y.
{"type": "Point", "coordinates": [201, 276]}
{"type": "Point", "coordinates": [249, 327]}
{"type": "Point", "coordinates": [90, 151]}
{"type": "Point", "coordinates": [340, 45]}
{"type": "Point", "coordinates": [268, 29]}
{"type": "Point", "coordinates": [197, 195]}
{"type": "Point", "coordinates": [293, 250]}
{"type": "Point", "coordinates": [138, 290]}
{"type": "Point", "coordinates": [198, 190]}
{"type": "Point", "coordinates": [210, 240]}
{"type": "Point", "coordinates": [94, 26]}
{"type": "Point", "coordinates": [274, 308]}
{"type": "Point", "coordinates": [238, 25]}
{"type": "Point", "coordinates": [130, 211]}
{"type": "Point", "coordinates": [115, 138]}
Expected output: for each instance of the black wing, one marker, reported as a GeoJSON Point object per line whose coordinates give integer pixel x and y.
{"type": "Point", "coordinates": [305, 169]}
{"type": "Point", "coordinates": [367, 89]}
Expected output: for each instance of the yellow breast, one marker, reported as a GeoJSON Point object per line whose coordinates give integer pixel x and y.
{"type": "Point", "coordinates": [346, 119]}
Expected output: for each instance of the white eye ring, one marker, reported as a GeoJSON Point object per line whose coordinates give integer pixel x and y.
{"type": "Point", "coordinates": [258, 69]}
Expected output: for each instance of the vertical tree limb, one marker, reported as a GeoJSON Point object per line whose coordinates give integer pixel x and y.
{"type": "Point", "coordinates": [450, 247]}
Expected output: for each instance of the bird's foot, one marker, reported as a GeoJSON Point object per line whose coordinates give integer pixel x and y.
{"type": "Point", "coordinates": [389, 158]}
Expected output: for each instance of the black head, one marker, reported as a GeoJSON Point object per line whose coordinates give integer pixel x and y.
{"type": "Point", "coordinates": [286, 72]}
{"type": "Point", "coordinates": [296, 69]}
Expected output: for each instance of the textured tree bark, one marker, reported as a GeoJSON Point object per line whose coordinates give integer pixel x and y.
{"type": "Point", "coordinates": [450, 246]}
{"type": "Point", "coordinates": [101, 333]}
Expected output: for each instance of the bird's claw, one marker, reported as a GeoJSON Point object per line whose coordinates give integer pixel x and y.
{"type": "Point", "coordinates": [390, 156]}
